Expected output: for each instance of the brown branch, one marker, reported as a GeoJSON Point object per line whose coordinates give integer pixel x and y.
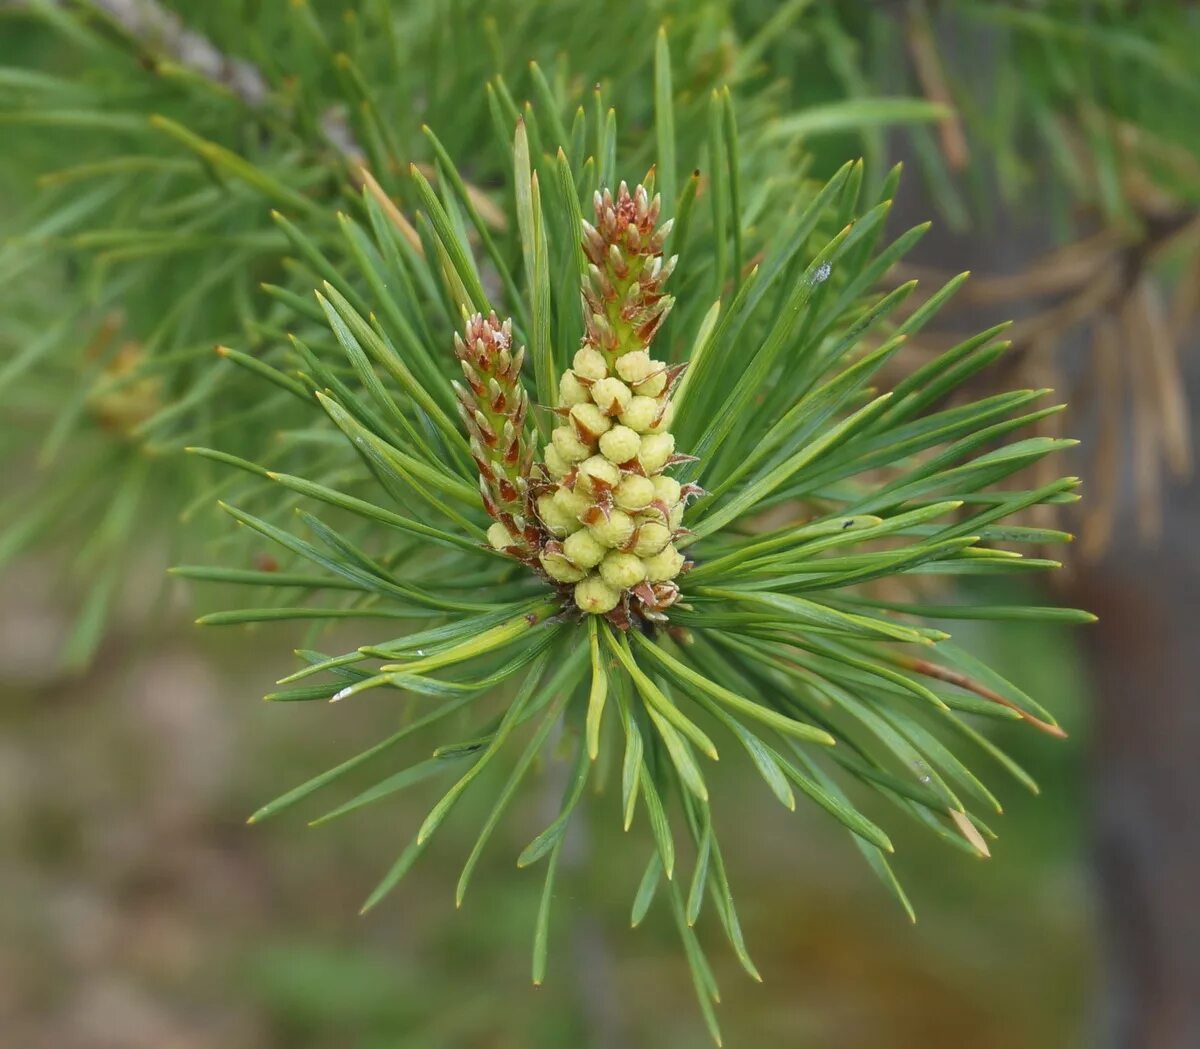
{"type": "Point", "coordinates": [927, 63]}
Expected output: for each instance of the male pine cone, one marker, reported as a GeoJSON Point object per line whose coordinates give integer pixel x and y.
{"type": "Point", "coordinates": [610, 511]}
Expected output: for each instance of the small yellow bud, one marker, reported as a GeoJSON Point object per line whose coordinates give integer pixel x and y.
{"type": "Point", "coordinates": [634, 492]}
{"type": "Point", "coordinates": [615, 531]}
{"type": "Point", "coordinates": [568, 444]}
{"type": "Point", "coordinates": [571, 503]}
{"type": "Point", "coordinates": [583, 549]}
{"type": "Point", "coordinates": [664, 565]}
{"type": "Point", "coordinates": [666, 489]}
{"type": "Point", "coordinates": [589, 364]}
{"type": "Point", "coordinates": [555, 463]}
{"type": "Point", "coordinates": [652, 537]}
{"type": "Point", "coordinates": [558, 568]}
{"type": "Point", "coordinates": [554, 518]}
{"type": "Point", "coordinates": [634, 367]}
{"type": "Point", "coordinates": [571, 391]}
{"type": "Point", "coordinates": [620, 444]}
{"type": "Point", "coordinates": [611, 395]}
{"type": "Point", "coordinates": [590, 422]}
{"type": "Point", "coordinates": [675, 518]}
{"type": "Point", "coordinates": [622, 570]}
{"type": "Point", "coordinates": [498, 536]}
{"type": "Point", "coordinates": [640, 413]}
{"type": "Point", "coordinates": [595, 597]}
{"type": "Point", "coordinates": [656, 449]}
{"type": "Point", "coordinates": [597, 473]}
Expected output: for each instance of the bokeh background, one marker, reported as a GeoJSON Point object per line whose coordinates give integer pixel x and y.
{"type": "Point", "coordinates": [140, 910]}
{"type": "Point", "coordinates": [137, 908]}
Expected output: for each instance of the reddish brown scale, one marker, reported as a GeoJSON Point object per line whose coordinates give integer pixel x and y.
{"type": "Point", "coordinates": [619, 616]}
{"type": "Point", "coordinates": [586, 435]}
{"type": "Point", "coordinates": [648, 330]}
{"type": "Point", "coordinates": [593, 515]}
{"type": "Point", "coordinates": [674, 375]}
{"type": "Point", "coordinates": [472, 378]}
{"type": "Point", "coordinates": [484, 428]}
{"type": "Point", "coordinates": [644, 592]}
{"type": "Point", "coordinates": [614, 407]}
{"type": "Point", "coordinates": [489, 504]}
{"type": "Point", "coordinates": [602, 491]}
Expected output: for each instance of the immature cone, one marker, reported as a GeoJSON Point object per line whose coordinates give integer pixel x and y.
{"type": "Point", "coordinates": [604, 496]}
{"type": "Point", "coordinates": [493, 406]}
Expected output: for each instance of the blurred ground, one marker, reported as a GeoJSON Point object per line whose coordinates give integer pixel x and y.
{"type": "Point", "coordinates": [138, 911]}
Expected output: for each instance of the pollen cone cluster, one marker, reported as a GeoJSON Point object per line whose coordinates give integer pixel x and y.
{"type": "Point", "coordinates": [493, 406]}
{"type": "Point", "coordinates": [609, 510]}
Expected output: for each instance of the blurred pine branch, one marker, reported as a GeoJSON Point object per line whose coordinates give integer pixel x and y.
{"type": "Point", "coordinates": [773, 631]}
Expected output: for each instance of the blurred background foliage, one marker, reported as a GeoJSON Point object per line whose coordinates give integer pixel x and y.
{"type": "Point", "coordinates": [159, 919]}
{"type": "Point", "coordinates": [1056, 144]}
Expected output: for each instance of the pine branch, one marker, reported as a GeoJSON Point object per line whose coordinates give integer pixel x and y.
{"type": "Point", "coordinates": [163, 33]}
